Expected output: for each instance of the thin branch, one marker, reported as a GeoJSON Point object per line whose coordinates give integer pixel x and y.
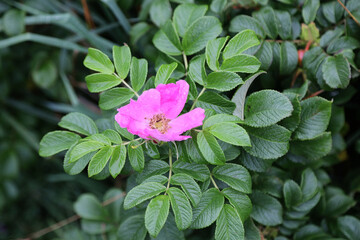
{"type": "Point", "coordinates": [213, 182]}
{"type": "Point", "coordinates": [347, 10]}
{"type": "Point", "coordinates": [315, 94]}
{"type": "Point", "coordinates": [87, 14]}
{"type": "Point", "coordinates": [195, 101]}
{"type": "Point", "coordinates": [170, 169]}
{"type": "Point", "coordinates": [185, 61]}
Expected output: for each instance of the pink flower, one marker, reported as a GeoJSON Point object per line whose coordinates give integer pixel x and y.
{"type": "Point", "coordinates": [155, 114]}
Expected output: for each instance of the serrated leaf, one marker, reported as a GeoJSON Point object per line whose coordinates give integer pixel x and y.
{"type": "Point", "coordinates": [122, 60]}
{"type": "Point", "coordinates": [314, 148]}
{"type": "Point", "coordinates": [156, 214]}
{"type": "Point", "coordinates": [142, 193]}
{"type": "Point", "coordinates": [212, 100]}
{"type": "Point", "coordinates": [88, 207]}
{"type": "Point", "coordinates": [167, 40]}
{"type": "Point", "coordinates": [136, 156]}
{"type": "Point", "coordinates": [240, 42]}
{"type": "Point", "coordinates": [114, 97]}
{"type": "Point", "coordinates": [284, 24]}
{"type": "Point", "coordinates": [210, 148]}
{"type": "Point", "coordinates": [292, 122]}
{"type": "Point", "coordinates": [223, 81]}
{"type": "Point", "coordinates": [181, 208]}
{"type": "Point", "coordinates": [254, 163]}
{"type": "Point", "coordinates": [212, 52]}
{"type": "Point", "coordinates": [78, 122]}
{"type": "Point", "coordinates": [198, 171]}
{"type": "Point", "coordinates": [186, 14]}
{"type": "Point", "coordinates": [236, 176]}
{"type": "Point", "coordinates": [117, 160]}
{"type": "Point", "coordinates": [220, 118]}
{"type": "Point", "coordinates": [288, 58]}
{"type": "Point", "coordinates": [84, 148]}
{"type": "Point", "coordinates": [99, 160]}
{"type": "Point", "coordinates": [343, 43]}
{"type": "Point", "coordinates": [138, 73]}
{"type": "Point", "coordinates": [244, 22]}
{"type": "Point", "coordinates": [98, 61]}
{"type": "Point", "coordinates": [99, 137]}
{"type": "Point", "coordinates": [151, 150]}
{"type": "Point", "coordinates": [153, 167]}
{"type": "Point", "coordinates": [269, 142]}
{"type": "Point", "coordinates": [336, 71]}
{"type": "Point", "coordinates": [160, 11]}
{"type": "Point", "coordinates": [309, 10]}
{"type": "Point", "coordinates": [199, 33]}
{"type": "Point", "coordinates": [189, 186]}
{"type": "Point", "coordinates": [170, 231]}
{"type": "Point", "coordinates": [164, 73]}
{"type": "Point", "coordinates": [197, 69]}
{"type": "Point", "coordinates": [241, 63]}
{"type": "Point", "coordinates": [265, 55]}
{"type": "Point", "coordinates": [292, 193]}
{"type": "Point", "coordinates": [266, 107]}
{"type": "Point", "coordinates": [208, 209]}
{"type": "Point", "coordinates": [338, 205]}
{"type": "Point", "coordinates": [113, 136]}
{"type": "Point", "coordinates": [229, 225]}
{"type": "Point", "coordinates": [240, 201]}
{"type": "Point", "coordinates": [309, 184]}
{"type": "Point", "coordinates": [99, 82]}
{"type": "Point", "coordinates": [314, 118]}
{"type": "Point", "coordinates": [266, 17]}
{"type": "Point", "coordinates": [133, 228]}
{"type": "Point", "coordinates": [76, 167]}
{"type": "Point", "coordinates": [266, 210]}
{"type": "Point", "coordinates": [230, 133]}
{"type": "Point", "coordinates": [349, 226]}
{"type": "Point", "coordinates": [57, 141]}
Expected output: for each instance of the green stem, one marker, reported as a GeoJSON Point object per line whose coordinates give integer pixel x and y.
{"type": "Point", "coordinates": [126, 143]}
{"type": "Point", "coordinates": [170, 169]}
{"type": "Point", "coordinates": [214, 183]}
{"type": "Point", "coordinates": [185, 61]}
{"type": "Point", "coordinates": [197, 98]}
{"type": "Point", "coordinates": [127, 85]}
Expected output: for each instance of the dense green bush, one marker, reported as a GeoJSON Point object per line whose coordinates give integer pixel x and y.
{"type": "Point", "coordinates": [275, 157]}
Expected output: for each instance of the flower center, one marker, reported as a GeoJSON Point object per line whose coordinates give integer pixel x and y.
{"type": "Point", "coordinates": [160, 122]}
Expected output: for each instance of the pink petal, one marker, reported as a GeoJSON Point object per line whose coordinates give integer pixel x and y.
{"type": "Point", "coordinates": [173, 98]}
{"type": "Point", "coordinates": [187, 121]}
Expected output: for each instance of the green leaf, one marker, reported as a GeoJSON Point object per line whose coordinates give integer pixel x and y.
{"type": "Point", "coordinates": [117, 160]}
{"type": "Point", "coordinates": [220, 118]}
{"type": "Point", "coordinates": [186, 14]}
{"type": "Point", "coordinates": [160, 12]}
{"type": "Point", "coordinates": [251, 231]}
{"type": "Point", "coordinates": [230, 133]}
{"type": "Point", "coordinates": [314, 148]}
{"type": "Point", "coordinates": [198, 171]}
{"type": "Point", "coordinates": [288, 58]}
{"type": "Point", "coordinates": [98, 61]}
{"type": "Point", "coordinates": [142, 193]}
{"type": "Point", "coordinates": [254, 163]}
{"type": "Point", "coordinates": [136, 156]}
{"type": "Point", "coordinates": [156, 178]}
{"type": "Point", "coordinates": [292, 122]}
{"type": "Point", "coordinates": [343, 43]}
{"type": "Point", "coordinates": [151, 150]}
{"type": "Point", "coordinates": [170, 231]}
{"type": "Point", "coordinates": [240, 42]}
{"type": "Point", "coordinates": [241, 63]}
{"type": "Point", "coordinates": [266, 210]}
{"type": "Point", "coordinates": [329, 36]}
{"type": "Point", "coordinates": [309, 184]}
{"type": "Point", "coordinates": [164, 73]}
{"type": "Point", "coordinates": [268, 143]}
{"type": "Point", "coordinates": [309, 10]}
{"type": "Point", "coordinates": [57, 141]}
{"type": "Point", "coordinates": [181, 208]}
{"type": "Point", "coordinates": [229, 225]}
{"type": "Point", "coordinates": [336, 71]}
{"type": "Point", "coordinates": [189, 186]}
{"type": "Point", "coordinates": [167, 40]}
{"type": "Point", "coordinates": [153, 167]}
{"type": "Point", "coordinates": [223, 81]}
{"type": "Point", "coordinates": [212, 100]}
{"type": "Point", "coordinates": [133, 228]}
{"type": "Point", "coordinates": [84, 148]}
{"type": "Point", "coordinates": [314, 118]}
{"type": "Point", "coordinates": [234, 175]}
{"type": "Point", "coordinates": [197, 69]}
{"type": "Point", "coordinates": [240, 95]}
{"type": "Point", "coordinates": [88, 207]}
{"type": "Point", "coordinates": [114, 97]}
{"type": "Point", "coordinates": [338, 205]}
{"type": "Point", "coordinates": [284, 24]}
{"type": "Point", "coordinates": [13, 22]}
{"type": "Point", "coordinates": [156, 214]}
{"type": "Point", "coordinates": [123, 131]}
{"type": "Point", "coordinates": [218, 6]}
{"type": "Point", "coordinates": [113, 136]}
{"type": "Point", "coordinates": [349, 226]}
{"type": "Point", "coordinates": [122, 60]}
{"type": "Point", "coordinates": [292, 193]}
{"type": "Point", "coordinates": [44, 72]}
{"type": "Point", "coordinates": [138, 73]}
{"type": "Point", "coordinates": [78, 122]}
{"type": "Point", "coordinates": [99, 160]}
{"type": "Point", "coordinates": [244, 22]}
{"type": "Point", "coordinates": [266, 17]}
{"type": "Point", "coordinates": [199, 33]}
{"type": "Point", "coordinates": [138, 31]}
{"type": "Point", "coordinates": [73, 168]}
{"type": "Point", "coordinates": [265, 55]}
{"type": "Point", "coordinates": [99, 137]}
{"type": "Point", "coordinates": [266, 107]}
{"type": "Point", "coordinates": [212, 52]}
{"type": "Point", "coordinates": [208, 209]}
{"type": "Point", "coordinates": [210, 148]}
{"type": "Point", "coordinates": [240, 201]}
{"type": "Point", "coordinates": [99, 82]}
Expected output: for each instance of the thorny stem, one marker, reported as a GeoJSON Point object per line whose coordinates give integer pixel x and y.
{"type": "Point", "coordinates": [213, 182]}
{"type": "Point", "coordinates": [197, 98]}
{"type": "Point", "coordinates": [347, 10]}
{"type": "Point", "coordinates": [127, 85]}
